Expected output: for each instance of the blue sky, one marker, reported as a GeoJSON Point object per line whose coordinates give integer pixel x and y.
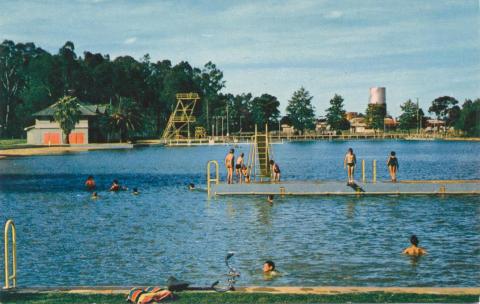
{"type": "Point", "coordinates": [421, 49]}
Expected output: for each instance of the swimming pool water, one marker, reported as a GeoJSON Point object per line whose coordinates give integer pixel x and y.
{"type": "Point", "coordinates": [65, 238]}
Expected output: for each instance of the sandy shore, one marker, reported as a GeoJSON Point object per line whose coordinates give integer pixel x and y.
{"type": "Point", "coordinates": [60, 149]}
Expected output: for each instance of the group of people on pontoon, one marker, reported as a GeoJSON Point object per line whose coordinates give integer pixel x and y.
{"type": "Point", "coordinates": [242, 172]}
{"type": "Point", "coordinates": [350, 162]}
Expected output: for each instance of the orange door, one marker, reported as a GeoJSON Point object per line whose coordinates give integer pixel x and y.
{"type": "Point", "coordinates": [51, 138]}
{"type": "Point", "coordinates": [76, 138]}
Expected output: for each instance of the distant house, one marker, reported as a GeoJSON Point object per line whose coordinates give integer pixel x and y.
{"type": "Point", "coordinates": [287, 129]}
{"type": "Point", "coordinates": [48, 132]}
{"type": "Point", "coordinates": [358, 125]}
{"type": "Point", "coordinates": [390, 123]}
{"type": "Point", "coordinates": [321, 126]}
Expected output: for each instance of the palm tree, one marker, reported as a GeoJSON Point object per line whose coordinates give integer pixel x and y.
{"type": "Point", "coordinates": [125, 118]}
{"type": "Point", "coordinates": [67, 114]}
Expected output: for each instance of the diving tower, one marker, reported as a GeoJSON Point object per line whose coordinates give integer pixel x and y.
{"type": "Point", "coordinates": [178, 125]}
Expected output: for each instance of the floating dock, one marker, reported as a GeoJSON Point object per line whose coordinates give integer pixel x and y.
{"type": "Point", "coordinates": [412, 187]}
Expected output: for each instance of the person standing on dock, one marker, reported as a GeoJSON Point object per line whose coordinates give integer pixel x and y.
{"type": "Point", "coordinates": [229, 162]}
{"type": "Point", "coordinates": [349, 163]}
{"type": "Point", "coordinates": [238, 167]}
{"type": "Point", "coordinates": [275, 169]}
{"type": "Point", "coordinates": [392, 164]}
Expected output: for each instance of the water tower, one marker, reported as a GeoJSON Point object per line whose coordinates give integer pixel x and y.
{"type": "Point", "coordinates": [377, 108]}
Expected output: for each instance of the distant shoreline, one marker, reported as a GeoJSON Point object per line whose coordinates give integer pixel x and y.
{"type": "Point", "coordinates": [21, 150]}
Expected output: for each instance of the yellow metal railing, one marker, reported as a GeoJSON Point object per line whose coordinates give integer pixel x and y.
{"type": "Point", "coordinates": [10, 226]}
{"type": "Point", "coordinates": [187, 96]}
{"type": "Point", "coordinates": [210, 180]}
{"type": "Point", "coordinates": [374, 171]}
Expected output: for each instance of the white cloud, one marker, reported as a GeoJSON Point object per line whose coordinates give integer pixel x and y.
{"type": "Point", "coordinates": [334, 14]}
{"type": "Point", "coordinates": [130, 40]}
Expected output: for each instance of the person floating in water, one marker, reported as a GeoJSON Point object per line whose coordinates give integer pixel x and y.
{"type": "Point", "coordinates": [414, 250]}
{"type": "Point", "coordinates": [275, 169]}
{"type": "Point", "coordinates": [229, 161]}
{"type": "Point", "coordinates": [238, 168]}
{"type": "Point", "coordinates": [135, 191]}
{"type": "Point", "coordinates": [245, 174]}
{"type": "Point", "coordinates": [349, 163]}
{"type": "Point", "coordinates": [115, 186]}
{"type": "Point", "coordinates": [269, 271]}
{"type": "Point", "coordinates": [90, 183]}
{"type": "Point", "coordinates": [392, 164]}
{"type": "Point", "coordinates": [94, 195]}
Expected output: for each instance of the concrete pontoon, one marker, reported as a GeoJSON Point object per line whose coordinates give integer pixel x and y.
{"type": "Point", "coordinates": [412, 187]}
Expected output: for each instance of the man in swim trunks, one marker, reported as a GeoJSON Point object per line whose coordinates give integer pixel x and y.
{"type": "Point", "coordinates": [414, 250]}
{"type": "Point", "coordinates": [229, 161]}
{"type": "Point", "coordinates": [238, 167]}
{"type": "Point", "coordinates": [392, 164]}
{"type": "Point", "coordinates": [275, 169]}
{"type": "Point", "coordinates": [350, 161]}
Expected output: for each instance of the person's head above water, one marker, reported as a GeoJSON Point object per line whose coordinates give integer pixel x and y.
{"type": "Point", "coordinates": [135, 191]}
{"type": "Point", "coordinates": [272, 162]}
{"type": "Point", "coordinates": [268, 266]}
{"type": "Point", "coordinates": [90, 177]}
{"type": "Point", "coordinates": [414, 240]}
{"type": "Point", "coordinates": [270, 198]}
{"type": "Point", "coordinates": [232, 151]}
{"type": "Point", "coordinates": [115, 181]}
{"type": "Point", "coordinates": [350, 150]}
{"type": "Point", "coordinates": [392, 153]}
{"type": "Point", "coordinates": [191, 186]}
{"type": "Point", "coordinates": [241, 154]}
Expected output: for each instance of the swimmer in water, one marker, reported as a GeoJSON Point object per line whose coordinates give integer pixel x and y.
{"type": "Point", "coordinates": [270, 198]}
{"type": "Point", "coordinates": [350, 161]}
{"type": "Point", "coordinates": [115, 186]}
{"type": "Point", "coordinates": [414, 250]}
{"type": "Point", "coordinates": [90, 183]}
{"type": "Point", "coordinates": [94, 195]}
{"type": "Point", "coordinates": [229, 161]}
{"type": "Point", "coordinates": [135, 191]}
{"type": "Point", "coordinates": [191, 186]}
{"type": "Point", "coordinates": [269, 271]}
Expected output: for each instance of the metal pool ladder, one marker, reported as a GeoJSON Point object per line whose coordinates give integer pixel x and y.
{"type": "Point", "coordinates": [10, 226]}
{"type": "Point", "coordinates": [209, 175]}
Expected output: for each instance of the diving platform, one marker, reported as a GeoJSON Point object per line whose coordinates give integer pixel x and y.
{"type": "Point", "coordinates": [299, 188]}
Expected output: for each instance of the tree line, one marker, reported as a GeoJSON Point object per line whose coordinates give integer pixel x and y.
{"type": "Point", "coordinates": [141, 95]}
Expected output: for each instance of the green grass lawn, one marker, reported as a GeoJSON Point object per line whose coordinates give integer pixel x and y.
{"type": "Point", "coordinates": [11, 143]}
{"type": "Point", "coordinates": [212, 298]}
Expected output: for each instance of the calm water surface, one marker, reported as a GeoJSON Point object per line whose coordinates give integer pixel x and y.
{"type": "Point", "coordinates": [65, 238]}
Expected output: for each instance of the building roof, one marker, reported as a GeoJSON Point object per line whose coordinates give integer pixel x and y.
{"type": "Point", "coordinates": [85, 109]}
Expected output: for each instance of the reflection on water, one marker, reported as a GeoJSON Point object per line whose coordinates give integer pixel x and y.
{"type": "Point", "coordinates": [66, 238]}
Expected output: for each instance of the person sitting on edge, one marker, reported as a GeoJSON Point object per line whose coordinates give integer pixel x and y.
{"type": "Point", "coordinates": [94, 195]}
{"type": "Point", "coordinates": [275, 171]}
{"type": "Point", "coordinates": [90, 183]}
{"type": "Point", "coordinates": [115, 186]}
{"type": "Point", "coordinates": [229, 161]}
{"type": "Point", "coordinates": [269, 270]}
{"type": "Point", "coordinates": [392, 164]}
{"type": "Point", "coordinates": [238, 168]}
{"type": "Point", "coordinates": [245, 174]}
{"type": "Point", "coordinates": [135, 191]}
{"type": "Point", "coordinates": [414, 250]}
